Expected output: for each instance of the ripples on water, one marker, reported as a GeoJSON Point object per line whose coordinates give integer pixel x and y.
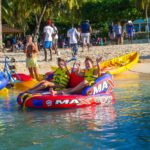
{"type": "Point", "coordinates": [125, 125]}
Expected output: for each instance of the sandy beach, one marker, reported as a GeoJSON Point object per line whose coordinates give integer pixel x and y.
{"type": "Point", "coordinates": [107, 52]}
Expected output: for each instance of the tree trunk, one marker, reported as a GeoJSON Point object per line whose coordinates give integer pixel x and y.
{"type": "Point", "coordinates": [147, 24]}
{"type": "Point", "coordinates": [38, 23]}
{"type": "Point", "coordinates": [1, 39]}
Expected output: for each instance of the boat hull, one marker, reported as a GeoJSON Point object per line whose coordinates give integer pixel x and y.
{"type": "Point", "coordinates": [120, 64]}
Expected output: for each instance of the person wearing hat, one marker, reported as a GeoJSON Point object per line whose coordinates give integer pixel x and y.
{"type": "Point", "coordinates": [47, 38]}
{"type": "Point", "coordinates": [130, 31]}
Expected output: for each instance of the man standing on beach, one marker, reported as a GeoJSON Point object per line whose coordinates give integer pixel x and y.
{"type": "Point", "coordinates": [73, 36]}
{"type": "Point", "coordinates": [86, 31]}
{"type": "Point", "coordinates": [47, 38]}
{"type": "Point", "coordinates": [130, 31]}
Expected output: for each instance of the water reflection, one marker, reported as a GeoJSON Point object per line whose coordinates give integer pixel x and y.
{"type": "Point", "coordinates": [93, 115]}
{"type": "Point", "coordinates": [122, 126]}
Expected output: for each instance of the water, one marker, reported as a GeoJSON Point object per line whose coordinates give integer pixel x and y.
{"type": "Point", "coordinates": [125, 125]}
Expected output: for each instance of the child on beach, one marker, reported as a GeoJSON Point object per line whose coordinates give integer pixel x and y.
{"type": "Point", "coordinates": [90, 74]}
{"type": "Point", "coordinates": [60, 78]}
{"type": "Point", "coordinates": [31, 57]}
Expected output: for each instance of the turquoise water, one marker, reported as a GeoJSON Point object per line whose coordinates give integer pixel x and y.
{"type": "Point", "coordinates": [126, 125]}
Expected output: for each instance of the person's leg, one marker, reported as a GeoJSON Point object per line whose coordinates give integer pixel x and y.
{"type": "Point", "coordinates": [78, 87]}
{"type": "Point", "coordinates": [83, 43]}
{"type": "Point", "coordinates": [56, 47]}
{"type": "Point", "coordinates": [45, 54]}
{"type": "Point", "coordinates": [88, 41]}
{"type": "Point", "coordinates": [36, 73]}
{"type": "Point", "coordinates": [74, 90]}
{"type": "Point", "coordinates": [50, 49]}
{"type": "Point", "coordinates": [41, 82]}
{"type": "Point", "coordinates": [131, 39]}
{"type": "Point", "coordinates": [31, 72]}
{"type": "Point", "coordinates": [75, 49]}
{"type": "Point", "coordinates": [42, 86]}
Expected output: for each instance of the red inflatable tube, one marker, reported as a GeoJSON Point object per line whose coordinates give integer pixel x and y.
{"type": "Point", "coordinates": [22, 77]}
{"type": "Point", "coordinates": [47, 101]}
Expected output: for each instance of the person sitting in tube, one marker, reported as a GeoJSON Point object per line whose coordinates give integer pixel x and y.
{"type": "Point", "coordinates": [90, 74]}
{"type": "Point", "coordinates": [59, 81]}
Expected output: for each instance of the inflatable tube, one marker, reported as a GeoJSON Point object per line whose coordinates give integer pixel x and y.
{"type": "Point", "coordinates": [103, 84]}
{"type": "Point", "coordinates": [3, 81]}
{"type": "Point", "coordinates": [21, 77]}
{"type": "Point", "coordinates": [47, 101]}
{"type": "Point", "coordinates": [99, 93]}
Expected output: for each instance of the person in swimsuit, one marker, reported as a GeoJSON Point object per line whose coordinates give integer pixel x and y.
{"type": "Point", "coordinates": [31, 52]}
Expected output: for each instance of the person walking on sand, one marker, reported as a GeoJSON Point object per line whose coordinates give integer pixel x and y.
{"type": "Point", "coordinates": [86, 31]}
{"type": "Point", "coordinates": [73, 36]}
{"type": "Point", "coordinates": [130, 31]}
{"type": "Point", "coordinates": [47, 38]}
{"type": "Point", "coordinates": [118, 32]}
{"type": "Point", "coordinates": [31, 57]}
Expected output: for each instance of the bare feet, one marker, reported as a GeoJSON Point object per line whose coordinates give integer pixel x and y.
{"type": "Point", "coordinates": [52, 92]}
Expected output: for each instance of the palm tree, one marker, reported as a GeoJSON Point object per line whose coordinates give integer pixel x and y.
{"type": "Point", "coordinates": [144, 4]}
{"type": "Point", "coordinates": [1, 39]}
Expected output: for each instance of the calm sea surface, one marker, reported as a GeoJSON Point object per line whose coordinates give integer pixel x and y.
{"type": "Point", "coordinates": [126, 125]}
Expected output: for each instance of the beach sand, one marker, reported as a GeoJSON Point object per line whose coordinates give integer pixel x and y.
{"type": "Point", "coordinates": [107, 52]}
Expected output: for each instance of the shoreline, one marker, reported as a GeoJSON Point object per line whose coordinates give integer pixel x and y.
{"type": "Point", "coordinates": [107, 52]}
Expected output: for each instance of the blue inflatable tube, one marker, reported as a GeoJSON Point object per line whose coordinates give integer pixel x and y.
{"type": "Point", "coordinates": [103, 84]}
{"type": "Point", "coordinates": [3, 81]}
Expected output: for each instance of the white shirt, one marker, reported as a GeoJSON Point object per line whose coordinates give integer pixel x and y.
{"type": "Point", "coordinates": [48, 30]}
{"type": "Point", "coordinates": [73, 35]}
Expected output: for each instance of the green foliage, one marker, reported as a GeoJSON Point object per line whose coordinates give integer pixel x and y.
{"type": "Point", "coordinates": [102, 12]}
{"type": "Point", "coordinates": [26, 13]}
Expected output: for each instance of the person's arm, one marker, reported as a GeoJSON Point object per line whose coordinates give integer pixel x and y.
{"type": "Point", "coordinates": [90, 29]}
{"type": "Point", "coordinates": [25, 49]}
{"type": "Point", "coordinates": [44, 35]}
{"type": "Point", "coordinates": [67, 70]}
{"type": "Point", "coordinates": [98, 71]}
{"type": "Point", "coordinates": [35, 48]}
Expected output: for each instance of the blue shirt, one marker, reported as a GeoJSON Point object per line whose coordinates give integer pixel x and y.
{"type": "Point", "coordinates": [85, 27]}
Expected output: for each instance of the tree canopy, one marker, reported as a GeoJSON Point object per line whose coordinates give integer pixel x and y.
{"type": "Point", "coordinates": [30, 14]}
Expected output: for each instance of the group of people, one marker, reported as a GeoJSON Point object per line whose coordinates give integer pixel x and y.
{"type": "Point", "coordinates": [50, 40]}
{"type": "Point", "coordinates": [74, 34]}
{"type": "Point", "coordinates": [77, 78]}
{"type": "Point", "coordinates": [117, 32]}
{"type": "Point", "coordinates": [82, 32]}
